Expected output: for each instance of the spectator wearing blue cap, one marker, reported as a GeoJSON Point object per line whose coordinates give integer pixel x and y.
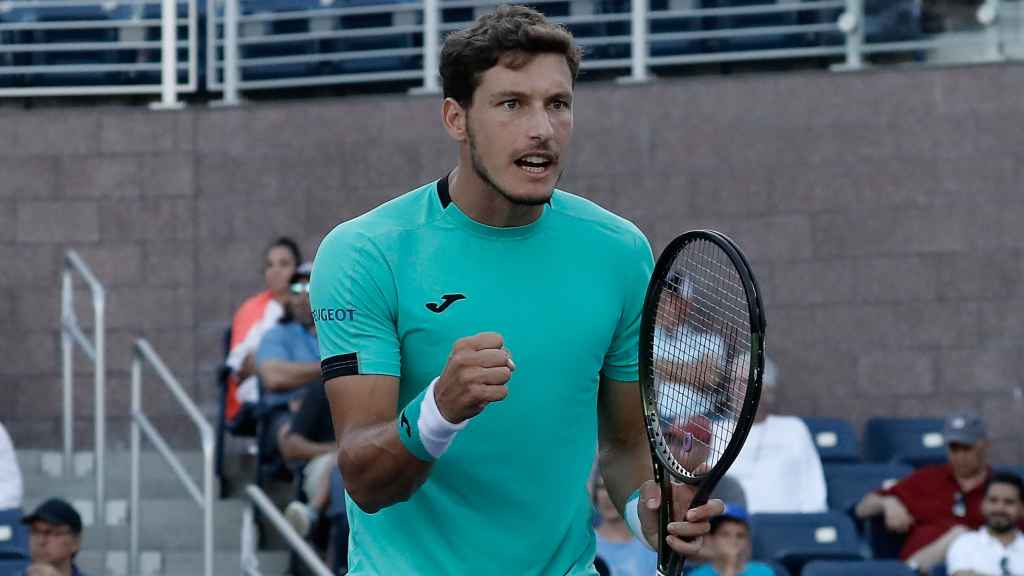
{"type": "Point", "coordinates": [55, 536]}
{"type": "Point", "coordinates": [729, 542]}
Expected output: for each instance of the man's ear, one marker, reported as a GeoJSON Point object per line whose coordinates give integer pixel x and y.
{"type": "Point", "coordinates": [455, 118]}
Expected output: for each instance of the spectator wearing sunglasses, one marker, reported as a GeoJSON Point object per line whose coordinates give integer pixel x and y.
{"type": "Point", "coordinates": [997, 548]}
{"type": "Point", "coordinates": [288, 361]}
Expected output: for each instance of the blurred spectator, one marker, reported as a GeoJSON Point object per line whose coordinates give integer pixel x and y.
{"type": "Point", "coordinates": [288, 358]}
{"type": "Point", "coordinates": [10, 473]}
{"type": "Point", "coordinates": [288, 355]}
{"type": "Point", "coordinates": [778, 467]}
{"type": "Point", "coordinates": [623, 554]}
{"type": "Point", "coordinates": [936, 504]}
{"type": "Point", "coordinates": [310, 438]}
{"type": "Point", "coordinates": [998, 547]}
{"type": "Point", "coordinates": [255, 316]}
{"type": "Point", "coordinates": [55, 536]}
{"type": "Point", "coordinates": [730, 547]}
{"type": "Point", "coordinates": [687, 357]}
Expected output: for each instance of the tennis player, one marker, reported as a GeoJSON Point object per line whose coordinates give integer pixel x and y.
{"type": "Point", "coordinates": [479, 338]}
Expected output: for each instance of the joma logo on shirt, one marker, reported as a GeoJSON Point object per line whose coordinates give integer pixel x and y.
{"type": "Point", "coordinates": [334, 314]}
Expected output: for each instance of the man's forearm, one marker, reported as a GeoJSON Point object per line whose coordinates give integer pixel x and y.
{"type": "Point", "coordinates": [378, 469]}
{"type": "Point", "coordinates": [625, 466]}
{"type": "Point", "coordinates": [871, 505]}
{"type": "Point", "coordinates": [279, 376]}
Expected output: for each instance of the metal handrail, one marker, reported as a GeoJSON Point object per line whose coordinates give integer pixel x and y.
{"type": "Point", "coordinates": [836, 32]}
{"type": "Point", "coordinates": [142, 351]}
{"type": "Point", "coordinates": [96, 351]}
{"type": "Point", "coordinates": [123, 19]}
{"type": "Point", "coordinates": [270, 512]}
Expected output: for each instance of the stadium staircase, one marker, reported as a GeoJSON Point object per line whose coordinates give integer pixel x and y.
{"type": "Point", "coordinates": [171, 522]}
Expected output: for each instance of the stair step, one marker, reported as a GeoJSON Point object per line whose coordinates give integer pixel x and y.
{"type": "Point", "coordinates": [154, 563]}
{"type": "Point", "coordinates": [166, 524]}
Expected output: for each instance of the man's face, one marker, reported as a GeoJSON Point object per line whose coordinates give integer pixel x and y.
{"type": "Point", "coordinates": [672, 310]}
{"type": "Point", "coordinates": [298, 300]}
{"type": "Point", "coordinates": [732, 539]}
{"type": "Point", "coordinates": [1002, 507]}
{"type": "Point", "coordinates": [519, 125]}
{"type": "Point", "coordinates": [278, 268]}
{"type": "Point", "coordinates": [52, 544]}
{"type": "Point", "coordinates": [966, 459]}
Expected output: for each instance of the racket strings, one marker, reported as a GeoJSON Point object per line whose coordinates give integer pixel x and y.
{"type": "Point", "coordinates": [701, 346]}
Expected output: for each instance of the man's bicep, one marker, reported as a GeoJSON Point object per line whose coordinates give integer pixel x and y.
{"type": "Point", "coordinates": [620, 411]}
{"type": "Point", "coordinates": [361, 401]}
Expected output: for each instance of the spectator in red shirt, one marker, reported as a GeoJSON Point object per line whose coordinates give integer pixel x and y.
{"type": "Point", "coordinates": [936, 504]}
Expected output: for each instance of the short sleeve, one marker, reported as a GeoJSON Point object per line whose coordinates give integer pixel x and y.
{"type": "Point", "coordinates": [958, 556]}
{"type": "Point", "coordinates": [273, 346]}
{"type": "Point", "coordinates": [354, 302]}
{"type": "Point", "coordinates": [621, 360]}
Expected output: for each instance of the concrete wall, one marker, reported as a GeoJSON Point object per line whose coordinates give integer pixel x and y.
{"type": "Point", "coordinates": [881, 210]}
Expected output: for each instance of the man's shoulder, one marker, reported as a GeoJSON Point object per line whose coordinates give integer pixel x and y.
{"type": "Point", "coordinates": [408, 211]}
{"type": "Point", "coordinates": [581, 209]}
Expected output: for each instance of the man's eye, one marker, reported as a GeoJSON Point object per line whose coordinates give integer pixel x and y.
{"type": "Point", "coordinates": [510, 104]}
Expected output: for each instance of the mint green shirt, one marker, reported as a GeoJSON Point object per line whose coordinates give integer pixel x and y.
{"type": "Point", "coordinates": [393, 289]}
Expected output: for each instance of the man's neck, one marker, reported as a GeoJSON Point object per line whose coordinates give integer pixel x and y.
{"type": "Point", "coordinates": [968, 483]}
{"type": "Point", "coordinates": [1004, 538]}
{"type": "Point", "coordinates": [64, 568]}
{"type": "Point", "coordinates": [481, 202]}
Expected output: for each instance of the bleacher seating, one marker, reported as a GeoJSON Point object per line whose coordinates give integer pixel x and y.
{"type": "Point", "coordinates": [835, 439]}
{"type": "Point", "coordinates": [13, 536]}
{"type": "Point", "coordinates": [13, 566]}
{"type": "Point", "coordinates": [848, 483]}
{"type": "Point", "coordinates": [307, 32]}
{"type": "Point", "coordinates": [916, 441]}
{"type": "Point", "coordinates": [795, 539]}
{"type": "Point", "coordinates": [856, 568]}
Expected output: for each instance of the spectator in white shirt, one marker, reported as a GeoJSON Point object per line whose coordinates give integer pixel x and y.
{"type": "Point", "coordinates": [779, 466]}
{"type": "Point", "coordinates": [997, 548]}
{"type": "Point", "coordinates": [10, 473]}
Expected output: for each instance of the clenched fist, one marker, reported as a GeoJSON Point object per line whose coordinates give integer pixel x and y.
{"type": "Point", "coordinates": [476, 374]}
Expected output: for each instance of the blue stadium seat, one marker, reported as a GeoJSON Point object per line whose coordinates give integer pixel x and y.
{"type": "Point", "coordinates": [13, 535]}
{"type": "Point", "coordinates": [884, 21]}
{"type": "Point", "coordinates": [383, 19]}
{"type": "Point", "coordinates": [848, 483]}
{"type": "Point", "coordinates": [795, 539]}
{"type": "Point", "coordinates": [916, 441]}
{"type": "Point", "coordinates": [939, 570]}
{"type": "Point", "coordinates": [663, 47]}
{"type": "Point", "coordinates": [13, 567]}
{"type": "Point", "coordinates": [739, 22]}
{"type": "Point", "coordinates": [835, 439]}
{"type": "Point", "coordinates": [857, 568]}
{"type": "Point", "coordinates": [1018, 470]}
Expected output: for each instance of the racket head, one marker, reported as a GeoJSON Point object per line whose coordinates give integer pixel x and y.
{"type": "Point", "coordinates": [701, 357]}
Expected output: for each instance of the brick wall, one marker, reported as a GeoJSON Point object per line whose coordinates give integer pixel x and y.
{"type": "Point", "coordinates": [881, 210]}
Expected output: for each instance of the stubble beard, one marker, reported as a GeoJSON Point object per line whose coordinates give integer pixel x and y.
{"type": "Point", "coordinates": [483, 174]}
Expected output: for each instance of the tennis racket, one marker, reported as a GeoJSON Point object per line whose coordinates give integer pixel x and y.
{"type": "Point", "coordinates": [701, 362]}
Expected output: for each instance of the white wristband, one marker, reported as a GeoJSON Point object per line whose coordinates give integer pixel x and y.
{"type": "Point", "coordinates": [436, 433]}
{"type": "Point", "coordinates": [632, 518]}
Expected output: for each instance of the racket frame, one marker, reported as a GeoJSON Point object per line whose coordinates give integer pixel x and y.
{"type": "Point", "coordinates": [665, 472]}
